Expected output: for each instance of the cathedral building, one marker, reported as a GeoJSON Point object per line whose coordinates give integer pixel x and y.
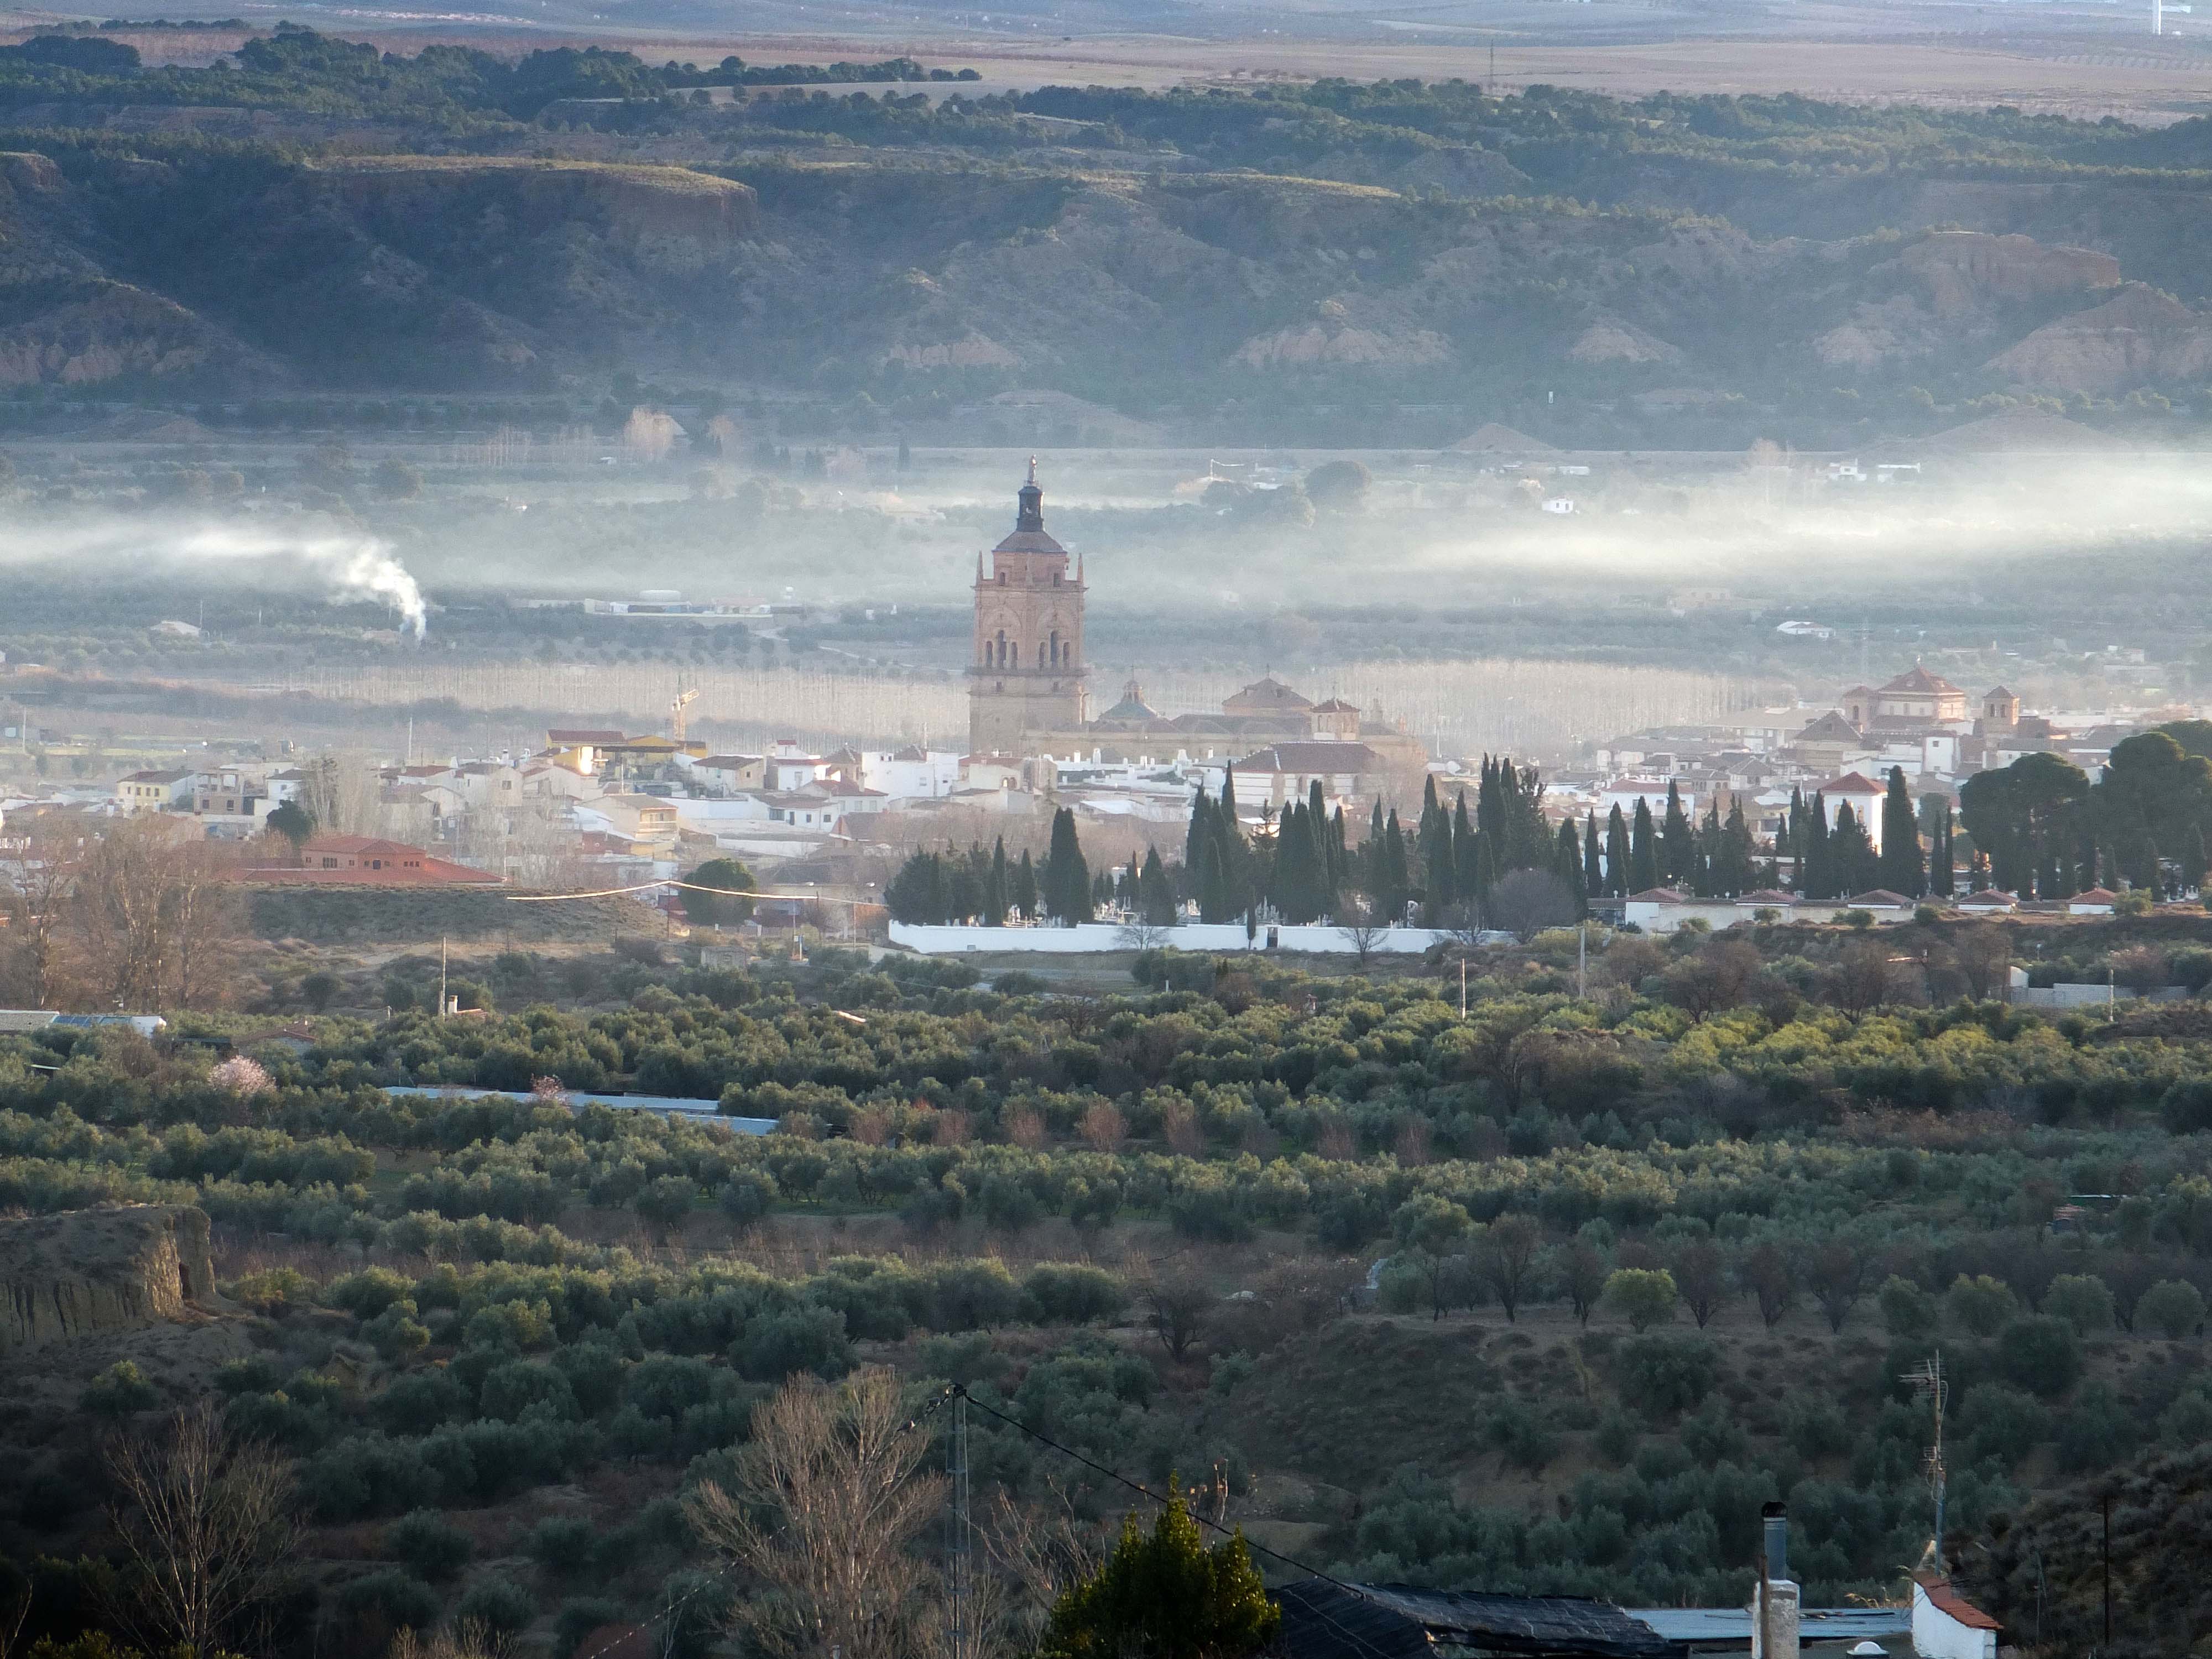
{"type": "Point", "coordinates": [1026, 676]}
{"type": "Point", "coordinates": [1029, 691]}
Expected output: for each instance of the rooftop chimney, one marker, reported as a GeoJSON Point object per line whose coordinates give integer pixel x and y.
{"type": "Point", "coordinates": [1774, 1607]}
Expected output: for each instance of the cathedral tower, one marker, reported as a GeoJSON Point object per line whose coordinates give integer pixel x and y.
{"type": "Point", "coordinates": [1026, 674]}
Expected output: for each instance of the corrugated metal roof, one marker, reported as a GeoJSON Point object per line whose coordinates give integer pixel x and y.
{"type": "Point", "coordinates": [1717, 1627]}
{"type": "Point", "coordinates": [1322, 1619]}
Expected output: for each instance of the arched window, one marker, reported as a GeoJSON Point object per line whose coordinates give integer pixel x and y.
{"type": "Point", "coordinates": [1002, 647]}
{"type": "Point", "coordinates": [1040, 653]}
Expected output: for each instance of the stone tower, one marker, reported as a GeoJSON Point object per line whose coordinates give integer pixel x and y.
{"type": "Point", "coordinates": [1026, 674]}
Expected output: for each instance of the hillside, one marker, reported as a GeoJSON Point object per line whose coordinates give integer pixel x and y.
{"type": "Point", "coordinates": [477, 224]}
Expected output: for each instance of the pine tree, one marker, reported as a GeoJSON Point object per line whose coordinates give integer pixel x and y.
{"type": "Point", "coordinates": [1616, 853]}
{"type": "Point", "coordinates": [1165, 1595]}
{"type": "Point", "coordinates": [1642, 853]}
{"type": "Point", "coordinates": [1901, 868]}
{"type": "Point", "coordinates": [1593, 864]}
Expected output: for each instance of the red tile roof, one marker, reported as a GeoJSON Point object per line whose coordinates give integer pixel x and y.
{"type": "Point", "coordinates": [1949, 1601]}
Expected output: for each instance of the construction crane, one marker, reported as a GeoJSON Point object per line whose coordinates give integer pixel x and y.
{"type": "Point", "coordinates": [684, 697]}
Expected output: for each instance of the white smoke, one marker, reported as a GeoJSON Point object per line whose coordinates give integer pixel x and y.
{"type": "Point", "coordinates": [348, 565]}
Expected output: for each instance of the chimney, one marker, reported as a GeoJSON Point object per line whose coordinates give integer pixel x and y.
{"type": "Point", "coordinates": [1774, 1610]}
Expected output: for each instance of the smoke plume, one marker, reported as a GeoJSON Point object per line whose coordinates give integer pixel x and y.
{"type": "Point", "coordinates": [346, 564]}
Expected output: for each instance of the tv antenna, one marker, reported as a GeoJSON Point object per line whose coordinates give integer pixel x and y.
{"type": "Point", "coordinates": [1930, 1383]}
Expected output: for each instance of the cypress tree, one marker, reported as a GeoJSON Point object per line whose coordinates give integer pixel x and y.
{"type": "Point", "coordinates": [1942, 877]}
{"type": "Point", "coordinates": [1642, 854]}
{"type": "Point", "coordinates": [998, 892]}
{"type": "Point", "coordinates": [1850, 854]}
{"type": "Point", "coordinates": [1441, 890]}
{"type": "Point", "coordinates": [1370, 860]}
{"type": "Point", "coordinates": [1023, 888]}
{"type": "Point", "coordinates": [1813, 877]}
{"type": "Point", "coordinates": [1194, 836]}
{"type": "Point", "coordinates": [1155, 900]}
{"type": "Point", "coordinates": [1901, 868]}
{"type": "Point", "coordinates": [1067, 877]}
{"type": "Point", "coordinates": [1568, 861]}
{"type": "Point", "coordinates": [1616, 853]}
{"type": "Point", "coordinates": [1467, 874]}
{"type": "Point", "coordinates": [1677, 855]}
{"type": "Point", "coordinates": [1593, 864]}
{"type": "Point", "coordinates": [1396, 881]}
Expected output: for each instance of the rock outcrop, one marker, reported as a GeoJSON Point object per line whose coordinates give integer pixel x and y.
{"type": "Point", "coordinates": [2140, 337]}
{"type": "Point", "coordinates": [1965, 272]}
{"type": "Point", "coordinates": [89, 1271]}
{"type": "Point", "coordinates": [1609, 340]}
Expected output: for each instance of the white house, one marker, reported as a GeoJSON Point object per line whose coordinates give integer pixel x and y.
{"type": "Point", "coordinates": [910, 774]}
{"type": "Point", "coordinates": [1864, 796]}
{"type": "Point", "coordinates": [1946, 1626]}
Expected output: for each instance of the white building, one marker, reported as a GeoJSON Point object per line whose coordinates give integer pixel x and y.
{"type": "Point", "coordinates": [910, 774]}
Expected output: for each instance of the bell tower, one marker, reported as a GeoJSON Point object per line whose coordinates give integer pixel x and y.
{"type": "Point", "coordinates": [1026, 676]}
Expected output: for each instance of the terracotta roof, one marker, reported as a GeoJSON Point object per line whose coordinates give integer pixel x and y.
{"type": "Point", "coordinates": [1949, 1601]}
{"type": "Point", "coordinates": [1850, 783]}
{"type": "Point", "coordinates": [1878, 896]}
{"type": "Point", "coordinates": [1661, 895]}
{"type": "Point", "coordinates": [156, 777]}
{"type": "Point", "coordinates": [1998, 691]}
{"type": "Point", "coordinates": [1768, 896]}
{"type": "Point", "coordinates": [1266, 692]}
{"type": "Point", "coordinates": [1917, 678]}
{"type": "Point", "coordinates": [1988, 896]}
{"type": "Point", "coordinates": [2095, 896]}
{"type": "Point", "coordinates": [1335, 706]}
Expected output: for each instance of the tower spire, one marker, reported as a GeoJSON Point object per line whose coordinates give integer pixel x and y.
{"type": "Point", "coordinates": [1029, 512]}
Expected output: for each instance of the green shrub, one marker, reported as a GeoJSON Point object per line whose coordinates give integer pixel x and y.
{"type": "Point", "coordinates": [561, 1544]}
{"type": "Point", "coordinates": [1071, 1293]}
{"type": "Point", "coordinates": [121, 1390]}
{"type": "Point", "coordinates": [2001, 1422]}
{"type": "Point", "coordinates": [1662, 1375]}
{"type": "Point", "coordinates": [2039, 1354]}
{"type": "Point", "coordinates": [2082, 1300]}
{"type": "Point", "coordinates": [1981, 1304]}
{"type": "Point", "coordinates": [578, 1617]}
{"type": "Point", "coordinates": [798, 1340]}
{"type": "Point", "coordinates": [500, 1605]}
{"type": "Point", "coordinates": [1906, 1309]}
{"type": "Point", "coordinates": [397, 1598]}
{"type": "Point", "coordinates": [2172, 1308]}
{"type": "Point", "coordinates": [1815, 1427]}
{"type": "Point", "coordinates": [424, 1541]}
{"type": "Point", "coordinates": [1644, 1296]}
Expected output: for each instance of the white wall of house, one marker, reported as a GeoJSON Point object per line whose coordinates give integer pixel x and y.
{"type": "Point", "coordinates": [1093, 937]}
{"type": "Point", "coordinates": [931, 778]}
{"type": "Point", "coordinates": [1937, 1635]}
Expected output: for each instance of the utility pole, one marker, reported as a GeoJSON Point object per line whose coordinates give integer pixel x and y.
{"type": "Point", "coordinates": [1929, 1382]}
{"type": "Point", "coordinates": [442, 974]}
{"type": "Point", "coordinates": [2108, 1572]}
{"type": "Point", "coordinates": [959, 1552]}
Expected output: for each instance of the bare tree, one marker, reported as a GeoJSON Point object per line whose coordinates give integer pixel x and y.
{"type": "Point", "coordinates": [1768, 1274]}
{"type": "Point", "coordinates": [1837, 1277]}
{"type": "Point", "coordinates": [1717, 976]}
{"type": "Point", "coordinates": [204, 908]}
{"type": "Point", "coordinates": [1177, 1307]}
{"type": "Point", "coordinates": [1701, 1275]}
{"type": "Point", "coordinates": [1526, 901]}
{"type": "Point", "coordinates": [206, 1522]}
{"type": "Point", "coordinates": [1983, 956]}
{"type": "Point", "coordinates": [1364, 929]}
{"type": "Point", "coordinates": [41, 876]}
{"type": "Point", "coordinates": [1040, 1551]}
{"type": "Point", "coordinates": [1509, 1256]}
{"type": "Point", "coordinates": [830, 1502]}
